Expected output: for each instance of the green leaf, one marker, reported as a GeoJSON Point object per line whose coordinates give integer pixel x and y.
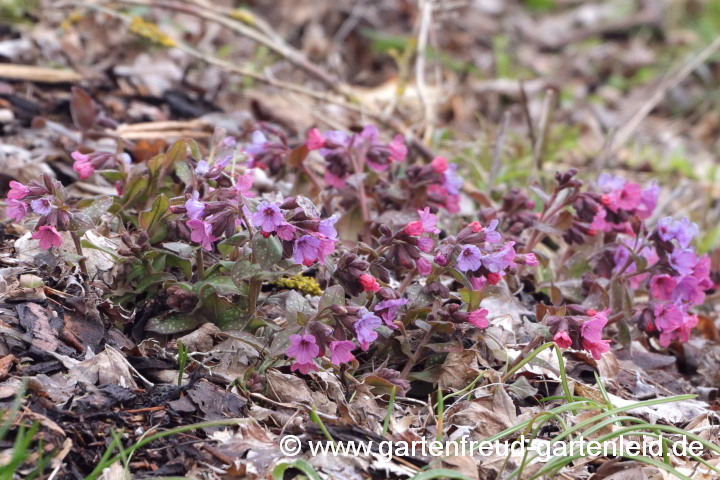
{"type": "Point", "coordinates": [112, 176]}
{"type": "Point", "coordinates": [302, 465]}
{"type": "Point", "coordinates": [98, 207]}
{"type": "Point", "coordinates": [281, 341]}
{"type": "Point", "coordinates": [148, 218]}
{"type": "Point", "coordinates": [295, 304]}
{"type": "Point", "coordinates": [182, 170]}
{"type": "Point", "coordinates": [80, 223]}
{"type": "Point", "coordinates": [180, 248]}
{"type": "Point", "coordinates": [334, 295]}
{"type": "Point", "coordinates": [135, 189]}
{"type": "Point", "coordinates": [183, 264]}
{"type": "Point", "coordinates": [243, 270]}
{"type": "Point", "coordinates": [223, 285]}
{"type": "Point", "coordinates": [173, 323]}
{"type": "Point", "coordinates": [234, 318]}
{"type": "Point", "coordinates": [268, 251]}
{"type": "Point", "coordinates": [227, 246]}
{"type": "Point", "coordinates": [176, 152]}
{"type": "Point", "coordinates": [152, 279]}
{"type": "Point", "coordinates": [156, 163]}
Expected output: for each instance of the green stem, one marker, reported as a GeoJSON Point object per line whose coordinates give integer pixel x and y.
{"type": "Point", "coordinates": [78, 248]}
{"type": "Point", "coordinates": [200, 264]}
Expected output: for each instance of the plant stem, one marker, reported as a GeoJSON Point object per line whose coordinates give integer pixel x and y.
{"type": "Point", "coordinates": [253, 293]}
{"type": "Point", "coordinates": [200, 263]}
{"type": "Point", "coordinates": [78, 248]}
{"type": "Point", "coordinates": [406, 281]}
{"type": "Point", "coordinates": [411, 361]}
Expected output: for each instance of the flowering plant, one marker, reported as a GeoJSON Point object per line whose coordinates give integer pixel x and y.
{"type": "Point", "coordinates": [206, 238]}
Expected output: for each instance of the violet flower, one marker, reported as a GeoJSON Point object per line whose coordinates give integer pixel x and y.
{"type": "Point", "coordinates": [268, 216]}
{"type": "Point", "coordinates": [365, 329]}
{"type": "Point", "coordinates": [303, 347]}
{"type": "Point", "coordinates": [469, 258]}
{"type": "Point", "coordinates": [201, 232]}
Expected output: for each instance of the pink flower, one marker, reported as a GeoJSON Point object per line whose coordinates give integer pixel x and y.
{"type": "Point", "coordinates": [592, 329]}
{"type": "Point", "coordinates": [303, 368]}
{"type": "Point", "coordinates": [414, 228]}
{"type": "Point", "coordinates": [667, 317]}
{"type": "Point", "coordinates": [82, 165]}
{"type": "Point", "coordinates": [398, 150]}
{"type": "Point", "coordinates": [478, 283]}
{"type": "Point", "coordinates": [428, 220]}
{"type": "Point", "coordinates": [423, 266]}
{"type": "Point", "coordinates": [682, 333]}
{"type": "Point", "coordinates": [648, 201]}
{"type": "Point", "coordinates": [597, 349]}
{"type": "Point", "coordinates": [201, 232]}
{"type": "Point", "coordinates": [439, 164]}
{"type": "Point", "coordinates": [285, 231]}
{"type": "Point", "coordinates": [530, 259]}
{"type": "Point", "coordinates": [17, 210]}
{"type": "Point", "coordinates": [494, 278]}
{"type": "Point", "coordinates": [369, 283]}
{"type": "Point", "coordinates": [303, 347]}
{"type": "Point", "coordinates": [629, 197]}
{"type": "Point", "coordinates": [17, 191]}
{"type": "Point", "coordinates": [244, 184]}
{"type": "Point", "coordinates": [662, 286]}
{"type": "Point", "coordinates": [333, 180]}
{"type": "Point", "coordinates": [315, 140]}
{"type": "Point", "coordinates": [476, 227]}
{"type": "Point", "coordinates": [340, 351]}
{"type": "Point", "coordinates": [479, 318]}
{"type": "Point", "coordinates": [48, 237]}
{"type": "Point", "coordinates": [562, 339]}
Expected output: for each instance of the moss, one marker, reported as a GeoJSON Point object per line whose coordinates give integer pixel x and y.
{"type": "Point", "coordinates": [151, 31]}
{"type": "Point", "coordinates": [299, 282]}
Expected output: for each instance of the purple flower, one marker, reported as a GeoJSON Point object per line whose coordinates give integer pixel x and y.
{"type": "Point", "coordinates": [469, 258]}
{"type": "Point", "coordinates": [688, 290]}
{"type": "Point", "coordinates": [428, 220]}
{"type": "Point", "coordinates": [502, 259]}
{"type": "Point", "coordinates": [365, 329]}
{"type": "Point", "coordinates": [303, 347]}
{"type": "Point", "coordinates": [48, 237]}
{"type": "Point", "coordinates": [327, 226]}
{"type": "Point", "coordinates": [648, 201]}
{"type": "Point", "coordinates": [388, 309]}
{"type": "Point", "coordinates": [201, 232]}
{"type": "Point", "coordinates": [17, 210]}
{"type": "Point", "coordinates": [491, 235]}
{"type": "Point", "coordinates": [41, 206]}
{"type": "Point", "coordinates": [229, 142]}
{"type": "Point", "coordinates": [306, 250]}
{"type": "Point", "coordinates": [682, 230]}
{"type": "Point", "coordinates": [268, 216]}
{"type": "Point", "coordinates": [425, 244]}
{"type": "Point", "coordinates": [453, 182]}
{"type": "Point", "coordinates": [683, 261]}
{"type": "Point", "coordinates": [285, 231]}
{"type": "Point", "coordinates": [257, 145]}
{"type": "Point", "coordinates": [17, 191]}
{"type": "Point", "coordinates": [340, 351]}
{"type": "Point", "coordinates": [202, 168]}
{"type": "Point", "coordinates": [194, 207]}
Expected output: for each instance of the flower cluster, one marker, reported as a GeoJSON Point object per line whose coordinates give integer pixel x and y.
{"type": "Point", "coordinates": [47, 201]}
{"type": "Point", "coordinates": [580, 332]}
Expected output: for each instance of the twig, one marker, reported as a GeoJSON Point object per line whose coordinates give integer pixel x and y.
{"type": "Point", "coordinates": [672, 81]}
{"type": "Point", "coordinates": [545, 122]}
{"type": "Point", "coordinates": [78, 248]}
{"type": "Point", "coordinates": [526, 110]}
{"type": "Point", "coordinates": [425, 19]}
{"type": "Point", "coordinates": [499, 147]}
{"type": "Point", "coordinates": [283, 49]}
